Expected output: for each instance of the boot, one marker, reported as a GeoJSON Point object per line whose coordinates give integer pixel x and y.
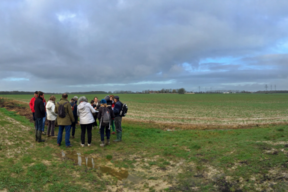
{"type": "Point", "coordinates": [102, 144]}
{"type": "Point", "coordinates": [118, 137]}
{"type": "Point", "coordinates": [39, 137]}
{"type": "Point", "coordinates": [108, 142]}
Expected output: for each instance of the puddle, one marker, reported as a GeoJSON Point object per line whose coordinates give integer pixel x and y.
{"type": "Point", "coordinates": [82, 160]}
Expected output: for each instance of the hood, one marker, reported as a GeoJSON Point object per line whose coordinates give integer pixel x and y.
{"type": "Point", "coordinates": [82, 105]}
{"type": "Point", "coordinates": [49, 105]}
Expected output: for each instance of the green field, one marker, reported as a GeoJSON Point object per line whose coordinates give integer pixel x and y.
{"type": "Point", "coordinates": [149, 158]}
{"type": "Point", "coordinates": [201, 110]}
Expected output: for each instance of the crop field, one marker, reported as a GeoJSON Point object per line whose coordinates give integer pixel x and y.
{"type": "Point", "coordinates": [154, 156]}
{"type": "Point", "coordinates": [200, 110]}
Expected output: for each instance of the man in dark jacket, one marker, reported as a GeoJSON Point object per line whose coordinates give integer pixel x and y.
{"type": "Point", "coordinates": [40, 113]}
{"type": "Point", "coordinates": [118, 118]}
{"type": "Point", "coordinates": [64, 122]}
{"type": "Point", "coordinates": [74, 110]}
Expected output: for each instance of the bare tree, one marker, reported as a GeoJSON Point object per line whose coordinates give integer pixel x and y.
{"type": "Point", "coordinates": [266, 87]}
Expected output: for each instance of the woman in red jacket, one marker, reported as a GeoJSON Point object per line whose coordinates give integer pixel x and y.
{"type": "Point", "coordinates": [31, 104]}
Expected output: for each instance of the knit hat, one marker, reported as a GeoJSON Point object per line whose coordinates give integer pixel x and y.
{"type": "Point", "coordinates": [107, 98]}
{"type": "Point", "coordinates": [103, 101]}
{"type": "Point", "coordinates": [116, 97]}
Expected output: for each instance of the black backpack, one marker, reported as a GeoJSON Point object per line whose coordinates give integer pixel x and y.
{"type": "Point", "coordinates": [106, 118]}
{"type": "Point", "coordinates": [124, 110]}
{"type": "Point", "coordinates": [61, 110]}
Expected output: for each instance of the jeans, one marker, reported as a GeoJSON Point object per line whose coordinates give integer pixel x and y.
{"type": "Point", "coordinates": [107, 132]}
{"type": "Point", "coordinates": [39, 124]}
{"type": "Point", "coordinates": [89, 132]}
{"type": "Point", "coordinates": [44, 119]}
{"type": "Point", "coordinates": [118, 126]}
{"type": "Point", "coordinates": [67, 134]}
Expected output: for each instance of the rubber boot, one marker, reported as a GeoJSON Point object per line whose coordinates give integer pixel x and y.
{"type": "Point", "coordinates": [39, 137]}
{"type": "Point", "coordinates": [118, 137]}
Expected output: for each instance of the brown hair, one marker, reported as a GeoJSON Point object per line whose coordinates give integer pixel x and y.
{"type": "Point", "coordinates": [52, 98]}
{"type": "Point", "coordinates": [112, 97]}
{"type": "Point", "coordinates": [40, 93]}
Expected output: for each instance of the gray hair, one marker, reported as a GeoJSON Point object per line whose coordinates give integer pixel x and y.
{"type": "Point", "coordinates": [75, 98]}
{"type": "Point", "coordinates": [82, 98]}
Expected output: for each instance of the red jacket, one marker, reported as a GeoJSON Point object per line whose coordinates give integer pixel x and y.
{"type": "Point", "coordinates": [31, 104]}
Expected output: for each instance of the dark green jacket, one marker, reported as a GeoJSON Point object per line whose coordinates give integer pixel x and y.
{"type": "Point", "coordinates": [69, 118]}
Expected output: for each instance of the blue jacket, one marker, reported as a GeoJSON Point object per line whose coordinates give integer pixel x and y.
{"type": "Point", "coordinates": [117, 108]}
{"type": "Point", "coordinates": [74, 111]}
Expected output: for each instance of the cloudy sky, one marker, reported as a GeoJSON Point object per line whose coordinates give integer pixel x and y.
{"type": "Point", "coordinates": [87, 45]}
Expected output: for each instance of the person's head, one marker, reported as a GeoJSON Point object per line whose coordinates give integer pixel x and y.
{"type": "Point", "coordinates": [75, 98]}
{"type": "Point", "coordinates": [112, 97]}
{"type": "Point", "coordinates": [92, 102]}
{"type": "Point", "coordinates": [52, 98]}
{"type": "Point", "coordinates": [107, 98]}
{"type": "Point", "coordinates": [103, 102]}
{"type": "Point", "coordinates": [116, 99]}
{"type": "Point", "coordinates": [95, 99]}
{"type": "Point", "coordinates": [64, 95]}
{"type": "Point", "coordinates": [36, 94]}
{"type": "Point", "coordinates": [40, 94]}
{"type": "Point", "coordinates": [72, 100]}
{"type": "Point", "coordinates": [82, 99]}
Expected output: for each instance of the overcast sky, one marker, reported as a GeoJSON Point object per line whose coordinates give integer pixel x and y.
{"type": "Point", "coordinates": [87, 45]}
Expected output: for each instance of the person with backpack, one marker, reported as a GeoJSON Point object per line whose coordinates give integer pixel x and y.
{"type": "Point", "coordinates": [105, 116]}
{"type": "Point", "coordinates": [118, 118]}
{"type": "Point", "coordinates": [31, 104]}
{"type": "Point", "coordinates": [64, 119]}
{"type": "Point", "coordinates": [39, 115]}
{"type": "Point", "coordinates": [84, 112]}
{"type": "Point", "coordinates": [74, 106]}
{"type": "Point", "coordinates": [51, 116]}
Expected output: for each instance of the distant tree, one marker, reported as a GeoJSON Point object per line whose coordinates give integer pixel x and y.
{"type": "Point", "coordinates": [266, 87]}
{"type": "Point", "coordinates": [181, 91]}
{"type": "Point", "coordinates": [174, 91]}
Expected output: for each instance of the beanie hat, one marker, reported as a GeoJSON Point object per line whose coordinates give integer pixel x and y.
{"type": "Point", "coordinates": [103, 101]}
{"type": "Point", "coordinates": [116, 97]}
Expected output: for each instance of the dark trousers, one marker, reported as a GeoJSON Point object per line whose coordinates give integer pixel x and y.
{"type": "Point", "coordinates": [73, 126]}
{"type": "Point", "coordinates": [118, 122]}
{"type": "Point", "coordinates": [89, 132]}
{"type": "Point", "coordinates": [95, 117]}
{"type": "Point", "coordinates": [51, 127]}
{"type": "Point", "coordinates": [102, 129]}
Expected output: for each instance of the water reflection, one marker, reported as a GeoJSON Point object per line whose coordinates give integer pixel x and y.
{"type": "Point", "coordinates": [89, 162]}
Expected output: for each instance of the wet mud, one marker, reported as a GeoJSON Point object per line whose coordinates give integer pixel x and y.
{"type": "Point", "coordinates": [93, 163]}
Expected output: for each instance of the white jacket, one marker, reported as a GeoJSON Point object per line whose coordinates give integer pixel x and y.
{"type": "Point", "coordinates": [84, 112]}
{"type": "Point", "coordinates": [51, 115]}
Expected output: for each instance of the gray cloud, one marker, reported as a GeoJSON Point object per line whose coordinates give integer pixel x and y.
{"type": "Point", "coordinates": [60, 46]}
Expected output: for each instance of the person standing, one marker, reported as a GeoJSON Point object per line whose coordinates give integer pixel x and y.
{"type": "Point", "coordinates": [84, 112]}
{"type": "Point", "coordinates": [44, 119]}
{"type": "Point", "coordinates": [74, 110]}
{"type": "Point", "coordinates": [51, 116]}
{"type": "Point", "coordinates": [39, 115]}
{"type": "Point", "coordinates": [31, 104]}
{"type": "Point", "coordinates": [118, 118]}
{"type": "Point", "coordinates": [64, 119]}
{"type": "Point", "coordinates": [105, 115]}
{"type": "Point", "coordinates": [112, 106]}
{"type": "Point", "coordinates": [96, 106]}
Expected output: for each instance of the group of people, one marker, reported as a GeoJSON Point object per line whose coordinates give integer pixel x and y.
{"type": "Point", "coordinates": [65, 115]}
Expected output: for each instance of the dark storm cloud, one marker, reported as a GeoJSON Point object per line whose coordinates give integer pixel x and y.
{"type": "Point", "coordinates": [62, 45]}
